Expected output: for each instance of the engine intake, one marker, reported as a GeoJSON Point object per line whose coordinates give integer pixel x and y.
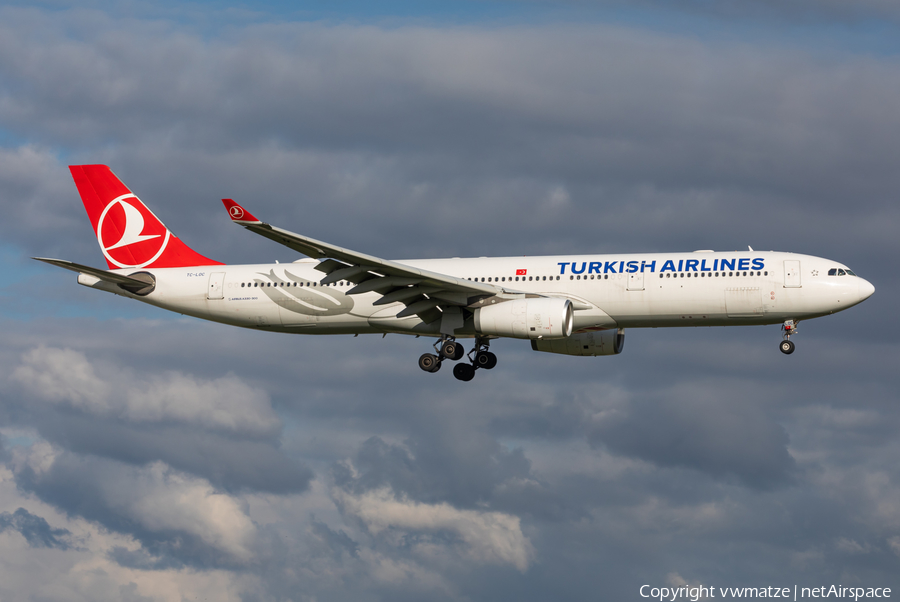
{"type": "Point", "coordinates": [604, 342]}
{"type": "Point", "coordinates": [539, 318]}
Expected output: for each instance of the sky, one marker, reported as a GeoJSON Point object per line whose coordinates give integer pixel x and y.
{"type": "Point", "coordinates": [149, 456]}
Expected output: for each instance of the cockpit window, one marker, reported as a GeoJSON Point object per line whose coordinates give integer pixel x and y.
{"type": "Point", "coordinates": [841, 272]}
{"type": "Point", "coordinates": [850, 272]}
{"type": "Point", "coordinates": [832, 272]}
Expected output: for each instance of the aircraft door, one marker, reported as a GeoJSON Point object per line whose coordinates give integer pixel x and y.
{"type": "Point", "coordinates": [792, 273]}
{"type": "Point", "coordinates": [215, 285]}
{"type": "Point", "coordinates": [636, 281]}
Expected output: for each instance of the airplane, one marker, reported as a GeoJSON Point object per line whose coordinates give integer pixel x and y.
{"type": "Point", "coordinates": [576, 305]}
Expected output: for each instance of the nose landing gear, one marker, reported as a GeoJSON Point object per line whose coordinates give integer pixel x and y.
{"type": "Point", "coordinates": [788, 328]}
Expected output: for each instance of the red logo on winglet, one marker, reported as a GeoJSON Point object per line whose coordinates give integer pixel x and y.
{"type": "Point", "coordinates": [238, 213]}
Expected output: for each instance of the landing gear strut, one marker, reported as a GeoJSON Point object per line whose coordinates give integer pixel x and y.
{"type": "Point", "coordinates": [788, 328]}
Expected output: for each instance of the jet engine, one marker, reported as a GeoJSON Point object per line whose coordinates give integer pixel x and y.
{"type": "Point", "coordinates": [538, 318]}
{"type": "Point", "coordinates": [604, 342]}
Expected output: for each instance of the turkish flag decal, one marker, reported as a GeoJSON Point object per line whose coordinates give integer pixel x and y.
{"type": "Point", "coordinates": [521, 272]}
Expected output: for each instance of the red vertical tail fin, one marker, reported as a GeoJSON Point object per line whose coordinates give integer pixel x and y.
{"type": "Point", "coordinates": [130, 235]}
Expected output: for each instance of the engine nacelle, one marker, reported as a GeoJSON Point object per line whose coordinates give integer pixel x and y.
{"type": "Point", "coordinates": [604, 342]}
{"type": "Point", "coordinates": [539, 318]}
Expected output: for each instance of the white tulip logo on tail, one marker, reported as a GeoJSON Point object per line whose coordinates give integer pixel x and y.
{"type": "Point", "coordinates": [129, 234]}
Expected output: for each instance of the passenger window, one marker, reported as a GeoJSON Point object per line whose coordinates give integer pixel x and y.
{"type": "Point", "coordinates": [730, 273]}
{"type": "Point", "coordinates": [545, 277]}
{"type": "Point", "coordinates": [766, 273]}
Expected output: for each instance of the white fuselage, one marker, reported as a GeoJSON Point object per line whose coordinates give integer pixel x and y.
{"type": "Point", "coordinates": [608, 291]}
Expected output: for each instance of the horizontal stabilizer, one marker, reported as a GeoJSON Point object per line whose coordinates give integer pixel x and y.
{"type": "Point", "coordinates": [126, 282]}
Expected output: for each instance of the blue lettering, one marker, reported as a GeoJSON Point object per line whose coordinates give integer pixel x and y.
{"type": "Point", "coordinates": [595, 267]}
{"type": "Point", "coordinates": [562, 267]}
{"type": "Point", "coordinates": [680, 264]}
{"type": "Point", "coordinates": [581, 271]}
{"type": "Point", "coordinates": [758, 263]}
{"type": "Point", "coordinates": [621, 267]}
{"type": "Point", "coordinates": [609, 266]}
{"type": "Point", "coordinates": [727, 263]}
{"type": "Point", "coordinates": [703, 267]}
{"type": "Point", "coordinates": [691, 265]}
{"type": "Point", "coordinates": [716, 265]}
{"type": "Point", "coordinates": [651, 265]}
{"type": "Point", "coordinates": [632, 267]}
{"type": "Point", "coordinates": [744, 264]}
{"type": "Point", "coordinates": [668, 266]}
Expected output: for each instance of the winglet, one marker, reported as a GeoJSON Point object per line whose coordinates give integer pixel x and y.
{"type": "Point", "coordinates": [239, 214]}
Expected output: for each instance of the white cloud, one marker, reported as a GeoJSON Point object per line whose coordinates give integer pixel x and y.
{"type": "Point", "coordinates": [67, 377]}
{"type": "Point", "coordinates": [157, 497]}
{"type": "Point", "coordinates": [163, 499]}
{"type": "Point", "coordinates": [86, 571]}
{"type": "Point", "coordinates": [492, 537]}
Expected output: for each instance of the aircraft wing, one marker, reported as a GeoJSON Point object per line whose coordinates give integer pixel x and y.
{"type": "Point", "coordinates": [425, 293]}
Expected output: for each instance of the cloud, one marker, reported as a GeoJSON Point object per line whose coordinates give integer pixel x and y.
{"type": "Point", "coordinates": [171, 512]}
{"type": "Point", "coordinates": [492, 537]}
{"type": "Point", "coordinates": [34, 529]}
{"type": "Point", "coordinates": [691, 428]}
{"type": "Point", "coordinates": [65, 376]}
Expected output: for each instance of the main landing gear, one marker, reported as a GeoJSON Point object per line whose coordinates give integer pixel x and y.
{"type": "Point", "coordinates": [788, 328]}
{"type": "Point", "coordinates": [447, 348]}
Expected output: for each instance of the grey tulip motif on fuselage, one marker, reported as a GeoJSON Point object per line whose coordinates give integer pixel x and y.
{"type": "Point", "coordinates": [304, 298]}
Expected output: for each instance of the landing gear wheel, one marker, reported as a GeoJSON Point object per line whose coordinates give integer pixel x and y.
{"type": "Point", "coordinates": [485, 359]}
{"type": "Point", "coordinates": [787, 347]}
{"type": "Point", "coordinates": [429, 362]}
{"type": "Point", "coordinates": [452, 350]}
{"type": "Point", "coordinates": [464, 372]}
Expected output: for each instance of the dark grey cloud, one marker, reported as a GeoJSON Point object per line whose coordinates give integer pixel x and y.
{"type": "Point", "coordinates": [556, 139]}
{"type": "Point", "coordinates": [35, 529]}
{"type": "Point", "coordinates": [722, 436]}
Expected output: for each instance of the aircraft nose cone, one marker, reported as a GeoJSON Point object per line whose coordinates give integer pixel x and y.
{"type": "Point", "coordinates": [865, 289]}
